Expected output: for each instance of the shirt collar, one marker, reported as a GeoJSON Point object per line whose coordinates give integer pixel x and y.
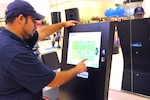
{"type": "Point", "coordinates": [12, 35]}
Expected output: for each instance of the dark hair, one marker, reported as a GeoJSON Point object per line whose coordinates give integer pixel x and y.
{"type": "Point", "coordinates": [10, 20]}
{"type": "Point", "coordinates": [54, 35]}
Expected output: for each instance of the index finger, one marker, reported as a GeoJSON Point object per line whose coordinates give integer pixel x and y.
{"type": "Point", "coordinates": [77, 22]}
{"type": "Point", "coordinates": [83, 60]}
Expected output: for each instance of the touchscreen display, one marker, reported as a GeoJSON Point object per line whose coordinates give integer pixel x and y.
{"type": "Point", "coordinates": [84, 45]}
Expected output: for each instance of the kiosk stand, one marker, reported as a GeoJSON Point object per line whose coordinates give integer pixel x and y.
{"type": "Point", "coordinates": [95, 42]}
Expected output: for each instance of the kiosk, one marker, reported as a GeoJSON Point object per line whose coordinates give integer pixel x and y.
{"type": "Point", "coordinates": [95, 42]}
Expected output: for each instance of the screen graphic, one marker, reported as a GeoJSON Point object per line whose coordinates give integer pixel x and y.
{"type": "Point", "coordinates": [84, 45]}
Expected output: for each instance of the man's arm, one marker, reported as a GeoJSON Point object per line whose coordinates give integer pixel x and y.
{"type": "Point", "coordinates": [48, 30]}
{"type": "Point", "coordinates": [63, 77]}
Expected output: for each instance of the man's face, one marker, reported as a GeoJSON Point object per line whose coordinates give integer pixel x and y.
{"type": "Point", "coordinates": [29, 27]}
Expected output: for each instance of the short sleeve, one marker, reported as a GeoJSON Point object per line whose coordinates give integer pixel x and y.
{"type": "Point", "coordinates": [29, 72]}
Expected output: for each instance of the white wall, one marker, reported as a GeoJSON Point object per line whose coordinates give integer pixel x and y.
{"type": "Point", "coordinates": [146, 6]}
{"type": "Point", "coordinates": [3, 5]}
{"type": "Point", "coordinates": [87, 9]}
{"type": "Point", "coordinates": [42, 7]}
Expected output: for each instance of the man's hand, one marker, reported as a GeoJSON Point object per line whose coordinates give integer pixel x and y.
{"type": "Point", "coordinates": [65, 76]}
{"type": "Point", "coordinates": [81, 67]}
{"type": "Point", "coordinates": [70, 23]}
{"type": "Point", "coordinates": [48, 30]}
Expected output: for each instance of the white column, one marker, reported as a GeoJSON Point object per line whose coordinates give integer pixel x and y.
{"type": "Point", "coordinates": [146, 6]}
{"type": "Point", "coordinates": [41, 6]}
{"type": "Point", "coordinates": [118, 1]}
{"type": "Point", "coordinates": [3, 5]}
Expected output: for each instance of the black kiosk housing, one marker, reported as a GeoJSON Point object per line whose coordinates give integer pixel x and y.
{"type": "Point", "coordinates": [135, 43]}
{"type": "Point", "coordinates": [95, 86]}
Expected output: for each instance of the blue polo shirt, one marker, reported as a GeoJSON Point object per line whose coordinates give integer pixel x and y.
{"type": "Point", "coordinates": [22, 75]}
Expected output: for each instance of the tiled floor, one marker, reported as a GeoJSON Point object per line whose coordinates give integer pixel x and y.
{"type": "Point", "coordinates": [115, 92]}
{"type": "Point", "coordinates": [116, 71]}
{"type": "Point", "coordinates": [120, 95]}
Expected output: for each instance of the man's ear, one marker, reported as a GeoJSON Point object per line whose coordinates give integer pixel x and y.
{"type": "Point", "coordinates": [21, 19]}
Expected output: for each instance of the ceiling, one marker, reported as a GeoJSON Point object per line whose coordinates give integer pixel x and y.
{"type": "Point", "coordinates": [54, 2]}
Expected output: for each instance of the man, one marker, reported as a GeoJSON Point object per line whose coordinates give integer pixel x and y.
{"type": "Point", "coordinates": [58, 38]}
{"type": "Point", "coordinates": [22, 75]}
{"type": "Point", "coordinates": [139, 12]}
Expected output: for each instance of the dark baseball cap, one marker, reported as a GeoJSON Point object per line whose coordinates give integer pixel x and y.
{"type": "Point", "coordinates": [139, 11]}
{"type": "Point", "coordinates": [17, 7]}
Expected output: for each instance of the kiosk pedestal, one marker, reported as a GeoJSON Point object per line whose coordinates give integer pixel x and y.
{"type": "Point", "coordinates": [83, 41]}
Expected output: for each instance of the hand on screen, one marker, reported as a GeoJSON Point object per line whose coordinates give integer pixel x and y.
{"type": "Point", "coordinates": [81, 67]}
